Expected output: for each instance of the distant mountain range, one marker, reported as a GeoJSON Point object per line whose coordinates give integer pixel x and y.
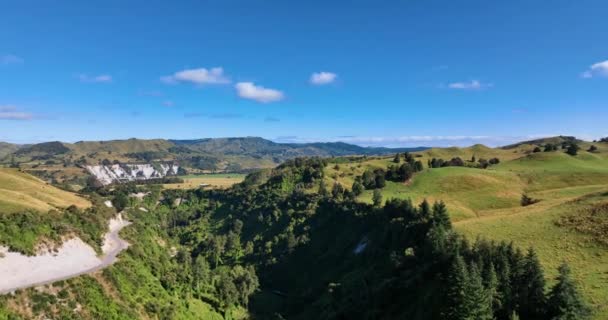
{"type": "Point", "coordinates": [200, 155]}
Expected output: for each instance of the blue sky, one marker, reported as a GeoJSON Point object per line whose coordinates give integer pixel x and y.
{"type": "Point", "coordinates": [393, 73]}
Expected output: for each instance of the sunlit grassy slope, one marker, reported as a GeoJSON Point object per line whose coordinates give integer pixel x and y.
{"type": "Point", "coordinates": [218, 180]}
{"type": "Point", "coordinates": [487, 202]}
{"type": "Point", "coordinates": [20, 191]}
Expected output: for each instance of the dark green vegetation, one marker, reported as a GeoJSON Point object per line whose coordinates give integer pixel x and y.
{"type": "Point", "coordinates": [280, 246]}
{"type": "Point", "coordinates": [23, 231]}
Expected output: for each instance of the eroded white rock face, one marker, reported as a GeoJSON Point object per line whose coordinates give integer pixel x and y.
{"type": "Point", "coordinates": [131, 172]}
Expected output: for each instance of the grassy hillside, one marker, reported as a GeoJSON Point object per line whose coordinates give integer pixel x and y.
{"type": "Point", "coordinates": [219, 180]}
{"type": "Point", "coordinates": [486, 202]}
{"type": "Point", "coordinates": [20, 191]}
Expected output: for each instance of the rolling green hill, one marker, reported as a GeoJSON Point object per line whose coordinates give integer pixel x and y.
{"type": "Point", "coordinates": [486, 202]}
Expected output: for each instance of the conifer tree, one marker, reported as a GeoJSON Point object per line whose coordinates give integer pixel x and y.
{"type": "Point", "coordinates": [440, 215]}
{"type": "Point", "coordinates": [457, 288]}
{"type": "Point", "coordinates": [565, 303]}
{"type": "Point", "coordinates": [491, 282]}
{"type": "Point", "coordinates": [425, 210]}
{"type": "Point", "coordinates": [479, 302]}
{"type": "Point", "coordinates": [531, 288]}
{"type": "Point", "coordinates": [397, 158]}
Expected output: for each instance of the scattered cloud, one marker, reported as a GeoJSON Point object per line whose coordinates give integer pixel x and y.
{"type": "Point", "coordinates": [249, 90]}
{"type": "Point", "coordinates": [199, 76]}
{"type": "Point", "coordinates": [271, 119]}
{"type": "Point", "coordinates": [168, 103]}
{"type": "Point", "coordinates": [470, 85]}
{"type": "Point", "coordinates": [102, 78]}
{"type": "Point", "coordinates": [10, 59]}
{"type": "Point", "coordinates": [323, 77]}
{"type": "Point", "coordinates": [12, 113]}
{"type": "Point", "coordinates": [599, 69]}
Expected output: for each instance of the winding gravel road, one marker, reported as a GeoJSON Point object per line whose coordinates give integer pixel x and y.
{"type": "Point", "coordinates": [72, 259]}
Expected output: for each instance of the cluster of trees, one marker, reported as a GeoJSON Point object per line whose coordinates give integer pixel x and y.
{"type": "Point", "coordinates": [458, 162]}
{"type": "Point", "coordinates": [497, 282]}
{"type": "Point", "coordinates": [298, 174]}
{"type": "Point", "coordinates": [571, 148]}
{"type": "Point", "coordinates": [403, 172]}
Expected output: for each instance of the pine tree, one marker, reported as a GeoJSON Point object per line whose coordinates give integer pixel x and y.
{"type": "Point", "coordinates": [505, 308]}
{"type": "Point", "coordinates": [565, 302]}
{"type": "Point", "coordinates": [531, 288]}
{"type": "Point", "coordinates": [425, 210]}
{"type": "Point", "coordinates": [479, 302]}
{"type": "Point", "coordinates": [491, 282]}
{"type": "Point", "coordinates": [440, 215]}
{"type": "Point", "coordinates": [456, 290]}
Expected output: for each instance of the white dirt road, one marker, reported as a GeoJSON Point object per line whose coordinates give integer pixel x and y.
{"type": "Point", "coordinates": [72, 259]}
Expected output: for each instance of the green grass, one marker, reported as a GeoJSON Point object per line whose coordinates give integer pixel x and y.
{"type": "Point", "coordinates": [215, 180]}
{"type": "Point", "coordinates": [469, 192]}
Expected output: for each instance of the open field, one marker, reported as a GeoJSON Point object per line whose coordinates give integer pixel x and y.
{"type": "Point", "coordinates": [20, 191]}
{"type": "Point", "coordinates": [218, 180]}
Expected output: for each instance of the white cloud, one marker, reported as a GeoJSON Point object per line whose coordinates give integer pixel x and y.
{"type": "Point", "coordinates": [323, 77]}
{"type": "Point", "coordinates": [597, 69]}
{"type": "Point", "coordinates": [10, 59]}
{"type": "Point", "coordinates": [11, 113]}
{"type": "Point", "coordinates": [471, 85]}
{"type": "Point", "coordinates": [102, 78]}
{"type": "Point", "coordinates": [198, 76]}
{"type": "Point", "coordinates": [249, 90]}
